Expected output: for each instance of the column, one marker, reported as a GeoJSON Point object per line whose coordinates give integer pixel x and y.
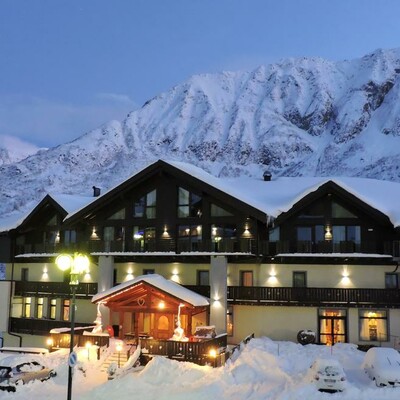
{"type": "Point", "coordinates": [218, 293]}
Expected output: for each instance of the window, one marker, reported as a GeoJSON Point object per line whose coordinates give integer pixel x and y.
{"type": "Point", "coordinates": [52, 221]}
{"type": "Point", "coordinates": [299, 279]}
{"type": "Point", "coordinates": [217, 211]}
{"type": "Point", "coordinates": [69, 237]}
{"type": "Point", "coordinates": [39, 307]}
{"type": "Point", "coordinates": [24, 274]}
{"type": "Point", "coordinates": [145, 207]}
{"type": "Point", "coordinates": [229, 321]}
{"type": "Point", "coordinates": [246, 278]}
{"type": "Point", "coordinates": [26, 307]}
{"type": "Point", "coordinates": [65, 310]}
{"type": "Point", "coordinates": [373, 325]}
{"type": "Point", "coordinates": [189, 204]}
{"type": "Point", "coordinates": [203, 278]}
{"type": "Point", "coordinates": [51, 237]}
{"type": "Point", "coordinates": [52, 308]}
{"type": "Point", "coordinates": [120, 214]}
{"type": "Point", "coordinates": [304, 233]}
{"type": "Point", "coordinates": [189, 237]}
{"type": "Point", "coordinates": [274, 234]}
{"type": "Point", "coordinates": [223, 237]}
{"type": "Point", "coordinates": [391, 280]}
{"type": "Point", "coordinates": [346, 238]}
{"type": "Point", "coordinates": [339, 211]}
{"type": "Point", "coordinates": [144, 238]}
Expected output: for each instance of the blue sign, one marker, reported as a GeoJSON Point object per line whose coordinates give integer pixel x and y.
{"type": "Point", "coordinates": [72, 359]}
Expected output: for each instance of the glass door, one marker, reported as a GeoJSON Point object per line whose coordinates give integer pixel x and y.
{"type": "Point", "coordinates": [332, 326]}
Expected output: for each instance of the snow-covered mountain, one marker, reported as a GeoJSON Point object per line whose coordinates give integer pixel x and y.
{"type": "Point", "coordinates": [303, 116]}
{"type": "Point", "coordinates": [13, 149]}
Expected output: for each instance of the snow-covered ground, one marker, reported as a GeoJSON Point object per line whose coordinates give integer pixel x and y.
{"type": "Point", "coordinates": [263, 370]}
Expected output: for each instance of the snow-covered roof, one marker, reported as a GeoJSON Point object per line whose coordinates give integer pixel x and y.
{"type": "Point", "coordinates": [279, 195]}
{"type": "Point", "coordinates": [70, 203]}
{"type": "Point", "coordinates": [271, 198]}
{"type": "Point", "coordinates": [159, 282]}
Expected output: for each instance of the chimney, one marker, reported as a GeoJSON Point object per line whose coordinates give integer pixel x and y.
{"type": "Point", "coordinates": [267, 176]}
{"type": "Point", "coordinates": [96, 191]}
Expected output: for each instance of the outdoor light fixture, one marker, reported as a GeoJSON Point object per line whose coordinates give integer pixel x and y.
{"type": "Point", "coordinates": [118, 347]}
{"type": "Point", "coordinates": [212, 353]}
{"type": "Point", "coordinates": [77, 264]}
{"type": "Point", "coordinates": [328, 233]}
{"type": "Point", "coordinates": [161, 305]}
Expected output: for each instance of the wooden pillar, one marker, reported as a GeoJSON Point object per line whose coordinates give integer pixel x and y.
{"type": "Point", "coordinates": [121, 324]}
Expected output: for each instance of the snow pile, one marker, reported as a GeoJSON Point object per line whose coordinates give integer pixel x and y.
{"type": "Point", "coordinates": [264, 370]}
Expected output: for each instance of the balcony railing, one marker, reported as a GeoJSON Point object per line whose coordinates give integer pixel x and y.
{"type": "Point", "coordinates": [56, 289]}
{"type": "Point", "coordinates": [36, 326]}
{"type": "Point", "coordinates": [260, 295]}
{"type": "Point", "coordinates": [225, 245]}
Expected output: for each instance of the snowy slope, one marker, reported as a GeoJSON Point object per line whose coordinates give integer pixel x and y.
{"type": "Point", "coordinates": [307, 116]}
{"type": "Point", "coordinates": [13, 149]}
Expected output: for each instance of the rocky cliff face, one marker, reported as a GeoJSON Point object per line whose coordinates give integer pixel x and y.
{"type": "Point", "coordinates": [299, 117]}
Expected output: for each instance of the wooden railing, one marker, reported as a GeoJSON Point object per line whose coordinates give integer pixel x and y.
{"type": "Point", "coordinates": [225, 245]}
{"type": "Point", "coordinates": [57, 289]}
{"type": "Point", "coordinates": [197, 352]}
{"type": "Point", "coordinates": [39, 326]}
{"type": "Point", "coordinates": [261, 295]}
{"type": "Point", "coordinates": [314, 296]}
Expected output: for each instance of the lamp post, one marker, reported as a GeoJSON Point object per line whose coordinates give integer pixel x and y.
{"type": "Point", "coordinates": [77, 264]}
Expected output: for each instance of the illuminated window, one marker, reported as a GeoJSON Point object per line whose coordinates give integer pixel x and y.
{"type": "Point", "coordinates": [373, 325]}
{"type": "Point", "coordinates": [39, 307]}
{"type": "Point", "coordinates": [246, 278]}
{"type": "Point", "coordinates": [52, 308]}
{"type": "Point", "coordinates": [189, 237]}
{"type": "Point", "coordinates": [65, 310]}
{"type": "Point", "coordinates": [26, 307]}
{"type": "Point", "coordinates": [229, 321]}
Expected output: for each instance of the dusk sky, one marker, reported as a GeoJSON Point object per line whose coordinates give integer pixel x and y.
{"type": "Point", "coordinates": [68, 66]}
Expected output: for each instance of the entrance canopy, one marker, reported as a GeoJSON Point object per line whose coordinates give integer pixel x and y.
{"type": "Point", "coordinates": [151, 293]}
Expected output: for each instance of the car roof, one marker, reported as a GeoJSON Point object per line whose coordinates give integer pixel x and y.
{"type": "Point", "coordinates": [12, 361]}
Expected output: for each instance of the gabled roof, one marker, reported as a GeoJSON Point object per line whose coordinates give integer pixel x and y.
{"type": "Point", "coordinates": [62, 203]}
{"type": "Point", "coordinates": [267, 199]}
{"type": "Point", "coordinates": [157, 281]}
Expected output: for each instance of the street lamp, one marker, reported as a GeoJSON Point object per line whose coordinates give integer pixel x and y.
{"type": "Point", "coordinates": [77, 264]}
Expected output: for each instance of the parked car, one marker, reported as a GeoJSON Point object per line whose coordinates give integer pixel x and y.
{"type": "Point", "coordinates": [14, 372]}
{"type": "Point", "coordinates": [383, 366]}
{"type": "Point", "coordinates": [328, 375]}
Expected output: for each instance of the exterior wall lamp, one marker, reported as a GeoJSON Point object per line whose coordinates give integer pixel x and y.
{"type": "Point", "coordinates": [77, 264]}
{"type": "Point", "coordinates": [328, 233]}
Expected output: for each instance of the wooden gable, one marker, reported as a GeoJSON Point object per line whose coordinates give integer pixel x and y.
{"type": "Point", "coordinates": [144, 297]}
{"type": "Point", "coordinates": [332, 189]}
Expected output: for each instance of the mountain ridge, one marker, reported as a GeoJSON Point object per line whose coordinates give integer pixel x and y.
{"type": "Point", "coordinates": [305, 116]}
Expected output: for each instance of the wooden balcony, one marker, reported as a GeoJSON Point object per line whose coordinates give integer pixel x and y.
{"type": "Point", "coordinates": [317, 297]}
{"type": "Point", "coordinates": [225, 245]}
{"type": "Point", "coordinates": [36, 326]}
{"type": "Point", "coordinates": [54, 289]}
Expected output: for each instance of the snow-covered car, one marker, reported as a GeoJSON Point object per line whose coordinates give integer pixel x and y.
{"type": "Point", "coordinates": [13, 372]}
{"type": "Point", "coordinates": [383, 366]}
{"type": "Point", "coordinates": [327, 374]}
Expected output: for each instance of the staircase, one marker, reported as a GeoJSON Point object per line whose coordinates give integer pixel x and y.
{"type": "Point", "coordinates": [113, 358]}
